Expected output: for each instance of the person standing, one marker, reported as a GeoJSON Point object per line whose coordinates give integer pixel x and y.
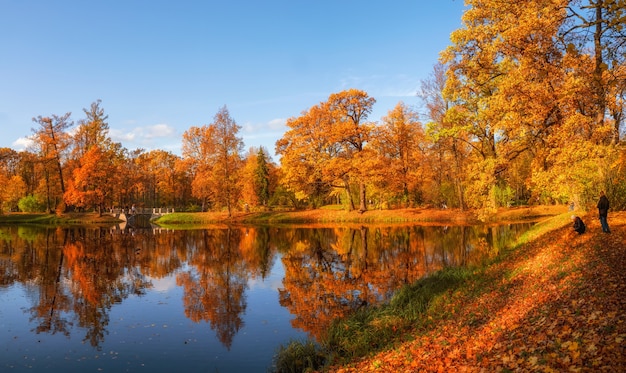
{"type": "Point", "coordinates": [603, 212]}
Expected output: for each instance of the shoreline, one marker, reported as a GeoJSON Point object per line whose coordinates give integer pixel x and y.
{"type": "Point", "coordinates": [424, 216]}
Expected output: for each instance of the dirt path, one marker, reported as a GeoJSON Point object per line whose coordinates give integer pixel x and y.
{"type": "Point", "coordinates": [557, 304]}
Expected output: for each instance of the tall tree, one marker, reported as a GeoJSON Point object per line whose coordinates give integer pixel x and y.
{"type": "Point", "coordinates": [197, 148]}
{"type": "Point", "coordinates": [447, 153]}
{"type": "Point", "coordinates": [262, 177]}
{"type": "Point", "coordinates": [327, 147]}
{"type": "Point", "coordinates": [228, 162]}
{"type": "Point", "coordinates": [505, 84]}
{"type": "Point", "coordinates": [53, 139]}
{"type": "Point", "coordinates": [96, 162]}
{"type": "Point", "coordinates": [93, 130]}
{"type": "Point", "coordinates": [597, 29]}
{"type": "Point", "coordinates": [399, 142]}
{"type": "Point", "coordinates": [305, 149]}
{"type": "Point", "coordinates": [214, 154]}
{"type": "Point", "coordinates": [349, 111]}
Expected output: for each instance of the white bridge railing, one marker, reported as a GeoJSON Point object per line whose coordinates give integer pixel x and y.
{"type": "Point", "coordinates": [154, 211]}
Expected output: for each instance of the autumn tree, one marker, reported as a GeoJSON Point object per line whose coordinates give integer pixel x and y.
{"type": "Point", "coordinates": [595, 32]}
{"type": "Point", "coordinates": [12, 185]}
{"type": "Point", "coordinates": [158, 179]}
{"type": "Point", "coordinates": [197, 149]}
{"type": "Point", "coordinates": [399, 144]}
{"type": "Point", "coordinates": [505, 85]}
{"type": "Point", "coordinates": [52, 139]}
{"type": "Point", "coordinates": [11, 190]}
{"type": "Point", "coordinates": [349, 111]}
{"type": "Point", "coordinates": [326, 147]}
{"type": "Point", "coordinates": [446, 155]}
{"type": "Point", "coordinates": [305, 149]}
{"type": "Point", "coordinates": [214, 156]}
{"type": "Point", "coordinates": [96, 161]}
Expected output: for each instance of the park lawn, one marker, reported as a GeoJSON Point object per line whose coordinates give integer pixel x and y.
{"type": "Point", "coordinates": [556, 303]}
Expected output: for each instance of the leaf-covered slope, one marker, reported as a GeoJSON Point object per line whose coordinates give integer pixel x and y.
{"type": "Point", "coordinates": [556, 304]}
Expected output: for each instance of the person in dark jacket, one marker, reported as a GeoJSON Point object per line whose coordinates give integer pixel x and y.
{"type": "Point", "coordinates": [603, 212]}
{"type": "Point", "coordinates": [579, 226]}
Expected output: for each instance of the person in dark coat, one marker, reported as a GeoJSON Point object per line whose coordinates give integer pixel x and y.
{"type": "Point", "coordinates": [603, 212]}
{"type": "Point", "coordinates": [579, 226]}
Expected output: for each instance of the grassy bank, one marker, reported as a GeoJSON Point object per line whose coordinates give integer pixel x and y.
{"type": "Point", "coordinates": [62, 219]}
{"type": "Point", "coordinates": [322, 216]}
{"type": "Point", "coordinates": [555, 302]}
{"type": "Point", "coordinates": [330, 215]}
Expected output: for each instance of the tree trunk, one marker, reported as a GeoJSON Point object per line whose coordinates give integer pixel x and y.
{"type": "Point", "coordinates": [349, 195]}
{"type": "Point", "coordinates": [599, 65]}
{"type": "Point", "coordinates": [362, 198]}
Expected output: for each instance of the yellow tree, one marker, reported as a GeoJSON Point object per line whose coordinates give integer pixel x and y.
{"type": "Point", "coordinates": [446, 156]}
{"type": "Point", "coordinates": [258, 177]}
{"type": "Point", "coordinates": [227, 162]}
{"type": "Point", "coordinates": [9, 165]}
{"type": "Point", "coordinates": [11, 190]}
{"type": "Point", "coordinates": [197, 148]}
{"type": "Point", "coordinates": [505, 84]}
{"type": "Point", "coordinates": [248, 194]}
{"type": "Point", "coordinates": [214, 154]}
{"type": "Point", "coordinates": [349, 111]}
{"type": "Point", "coordinates": [305, 149]}
{"type": "Point", "coordinates": [52, 139]}
{"type": "Point", "coordinates": [399, 142]}
{"type": "Point", "coordinates": [595, 32]}
{"type": "Point", "coordinates": [158, 178]}
{"type": "Point", "coordinates": [326, 148]}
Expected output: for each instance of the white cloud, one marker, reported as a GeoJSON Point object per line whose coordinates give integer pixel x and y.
{"type": "Point", "coordinates": [163, 285]}
{"type": "Point", "coordinates": [22, 143]}
{"type": "Point", "coordinates": [383, 86]}
{"type": "Point", "coordinates": [143, 134]}
{"type": "Point", "coordinates": [158, 131]}
{"type": "Point", "coordinates": [277, 124]}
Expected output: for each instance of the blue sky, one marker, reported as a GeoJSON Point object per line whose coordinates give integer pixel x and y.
{"type": "Point", "coordinates": [161, 67]}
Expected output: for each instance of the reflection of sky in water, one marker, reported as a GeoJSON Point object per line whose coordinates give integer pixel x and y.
{"type": "Point", "coordinates": [148, 333]}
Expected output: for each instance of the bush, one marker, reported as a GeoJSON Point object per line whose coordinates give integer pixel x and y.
{"type": "Point", "coordinates": [31, 204]}
{"type": "Point", "coordinates": [298, 357]}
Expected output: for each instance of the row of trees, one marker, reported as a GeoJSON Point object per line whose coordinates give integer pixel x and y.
{"type": "Point", "coordinates": [526, 105]}
{"type": "Point", "coordinates": [82, 168]}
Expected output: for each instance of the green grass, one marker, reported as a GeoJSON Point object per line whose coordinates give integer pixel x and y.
{"type": "Point", "coordinates": [57, 220]}
{"type": "Point", "coordinates": [543, 227]}
{"type": "Point", "coordinates": [298, 356]}
{"type": "Point", "coordinates": [179, 219]}
{"type": "Point", "coordinates": [372, 328]}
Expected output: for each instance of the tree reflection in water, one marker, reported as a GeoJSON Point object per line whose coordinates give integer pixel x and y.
{"type": "Point", "coordinates": [77, 275]}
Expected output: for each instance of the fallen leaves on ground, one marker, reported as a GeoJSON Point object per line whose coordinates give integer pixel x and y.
{"type": "Point", "coordinates": [556, 304]}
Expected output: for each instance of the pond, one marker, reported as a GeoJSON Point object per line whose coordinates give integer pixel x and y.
{"type": "Point", "coordinates": [208, 300]}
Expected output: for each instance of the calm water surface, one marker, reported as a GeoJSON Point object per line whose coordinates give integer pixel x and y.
{"type": "Point", "coordinates": [210, 300]}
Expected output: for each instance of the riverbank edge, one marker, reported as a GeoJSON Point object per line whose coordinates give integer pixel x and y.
{"type": "Point", "coordinates": [554, 302]}
{"type": "Point", "coordinates": [323, 216]}
{"type": "Point", "coordinates": [327, 215]}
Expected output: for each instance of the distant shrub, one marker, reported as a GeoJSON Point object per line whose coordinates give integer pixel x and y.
{"type": "Point", "coordinates": [31, 204]}
{"type": "Point", "coordinates": [193, 208]}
